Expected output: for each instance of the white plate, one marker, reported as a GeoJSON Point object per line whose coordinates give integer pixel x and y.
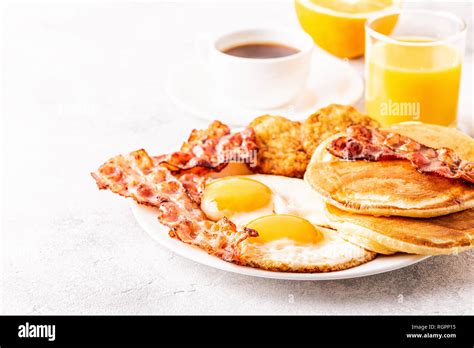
{"type": "Point", "coordinates": [147, 218]}
{"type": "Point", "coordinates": [331, 81]}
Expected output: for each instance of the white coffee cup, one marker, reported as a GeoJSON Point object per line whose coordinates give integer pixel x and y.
{"type": "Point", "coordinates": [260, 82]}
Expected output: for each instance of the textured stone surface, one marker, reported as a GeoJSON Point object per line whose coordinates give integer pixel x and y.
{"type": "Point", "coordinates": [83, 83]}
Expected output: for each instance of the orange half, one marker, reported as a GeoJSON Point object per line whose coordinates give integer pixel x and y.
{"type": "Point", "coordinates": [338, 25]}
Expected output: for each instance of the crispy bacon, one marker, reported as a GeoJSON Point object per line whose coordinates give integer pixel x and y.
{"type": "Point", "coordinates": [372, 144]}
{"type": "Point", "coordinates": [194, 185]}
{"type": "Point", "coordinates": [212, 149]}
{"type": "Point", "coordinates": [138, 176]}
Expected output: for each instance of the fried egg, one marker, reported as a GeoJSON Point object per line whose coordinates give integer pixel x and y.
{"type": "Point", "coordinates": [290, 220]}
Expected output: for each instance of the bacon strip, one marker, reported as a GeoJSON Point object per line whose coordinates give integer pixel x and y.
{"type": "Point", "coordinates": [212, 149]}
{"type": "Point", "coordinates": [362, 143]}
{"type": "Point", "coordinates": [139, 176]}
{"type": "Point", "coordinates": [194, 185]}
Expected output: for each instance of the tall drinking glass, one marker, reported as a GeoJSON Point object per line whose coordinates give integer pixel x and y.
{"type": "Point", "coordinates": [413, 74]}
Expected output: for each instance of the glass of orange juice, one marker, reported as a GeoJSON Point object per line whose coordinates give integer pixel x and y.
{"type": "Point", "coordinates": [413, 74]}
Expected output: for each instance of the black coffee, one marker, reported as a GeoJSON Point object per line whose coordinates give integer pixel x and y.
{"type": "Point", "coordinates": [261, 50]}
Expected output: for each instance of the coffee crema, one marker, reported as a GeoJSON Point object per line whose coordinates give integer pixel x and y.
{"type": "Point", "coordinates": [261, 50]}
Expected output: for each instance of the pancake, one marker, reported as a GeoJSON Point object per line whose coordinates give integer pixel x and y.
{"type": "Point", "coordinates": [356, 235]}
{"type": "Point", "coordinates": [438, 136]}
{"type": "Point", "coordinates": [320, 154]}
{"type": "Point", "coordinates": [394, 187]}
{"type": "Point", "coordinates": [448, 234]}
{"type": "Point", "coordinates": [388, 188]}
{"type": "Point", "coordinates": [427, 134]}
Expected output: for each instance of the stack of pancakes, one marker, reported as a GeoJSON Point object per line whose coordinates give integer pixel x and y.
{"type": "Point", "coordinates": [389, 206]}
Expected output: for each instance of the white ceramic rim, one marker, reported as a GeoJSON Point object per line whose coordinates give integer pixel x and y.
{"type": "Point", "coordinates": [305, 38]}
{"type": "Point", "coordinates": [200, 256]}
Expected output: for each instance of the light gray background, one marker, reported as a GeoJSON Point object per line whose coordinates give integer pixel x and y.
{"type": "Point", "coordinates": [82, 83]}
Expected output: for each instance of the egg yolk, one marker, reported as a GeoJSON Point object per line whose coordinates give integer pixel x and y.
{"type": "Point", "coordinates": [236, 194]}
{"type": "Point", "coordinates": [279, 226]}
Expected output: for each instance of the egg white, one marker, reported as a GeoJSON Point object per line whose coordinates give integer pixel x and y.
{"type": "Point", "coordinates": [332, 253]}
{"type": "Point", "coordinates": [290, 196]}
{"type": "Point", "coordinates": [293, 196]}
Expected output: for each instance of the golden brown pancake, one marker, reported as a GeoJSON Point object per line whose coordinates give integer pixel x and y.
{"type": "Point", "coordinates": [352, 233]}
{"type": "Point", "coordinates": [320, 154]}
{"type": "Point", "coordinates": [394, 187]}
{"type": "Point", "coordinates": [430, 134]}
{"type": "Point", "coordinates": [442, 235]}
{"type": "Point", "coordinates": [388, 188]}
{"type": "Point", "coordinates": [427, 134]}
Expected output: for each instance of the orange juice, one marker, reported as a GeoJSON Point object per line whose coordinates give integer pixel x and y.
{"type": "Point", "coordinates": [413, 82]}
{"type": "Point", "coordinates": [338, 25]}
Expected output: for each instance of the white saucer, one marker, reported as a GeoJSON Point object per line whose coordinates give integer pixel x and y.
{"type": "Point", "coordinates": [331, 81]}
{"type": "Point", "coordinates": [147, 218]}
